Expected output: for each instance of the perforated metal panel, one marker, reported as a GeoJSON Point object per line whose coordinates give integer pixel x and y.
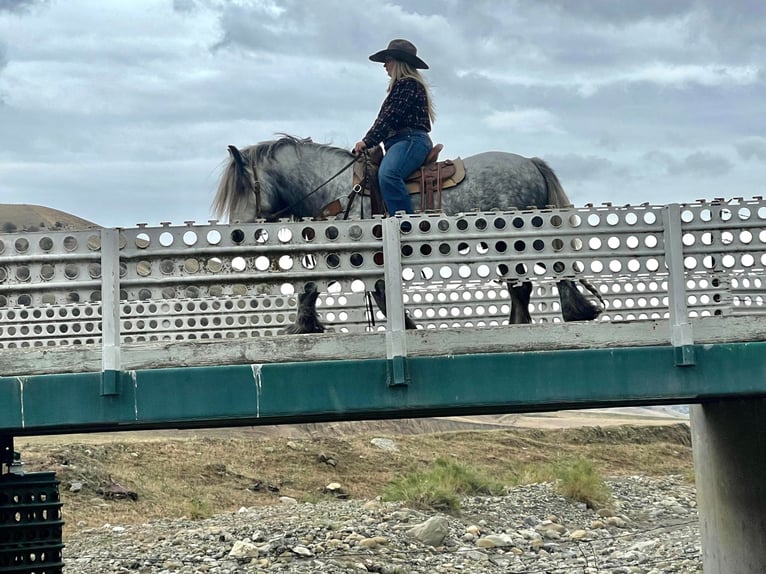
{"type": "Point", "coordinates": [231, 281]}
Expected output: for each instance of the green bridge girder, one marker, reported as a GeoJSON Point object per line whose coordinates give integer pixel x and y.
{"type": "Point", "coordinates": [299, 392]}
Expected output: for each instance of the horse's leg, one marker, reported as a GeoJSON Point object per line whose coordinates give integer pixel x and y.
{"type": "Point", "coordinates": [574, 305]}
{"type": "Point", "coordinates": [379, 294]}
{"type": "Point", "coordinates": [520, 303]}
{"type": "Point", "coordinates": [307, 320]}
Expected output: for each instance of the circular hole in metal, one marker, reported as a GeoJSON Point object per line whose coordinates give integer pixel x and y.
{"type": "Point", "coordinates": [70, 243]}
{"type": "Point", "coordinates": [189, 238]}
{"type": "Point", "coordinates": [519, 245]}
{"type": "Point", "coordinates": [22, 273]}
{"type": "Point", "coordinates": [308, 233]}
{"type": "Point", "coordinates": [425, 249]}
{"type": "Point", "coordinates": [284, 235]}
{"type": "Point", "coordinates": [191, 265]}
{"type": "Point", "coordinates": [237, 236]}
{"type": "Point", "coordinates": [167, 266]}
{"type": "Point", "coordinates": [94, 270]}
{"type": "Point", "coordinates": [285, 262]}
{"type": "Point", "coordinates": [21, 245]}
{"type": "Point", "coordinates": [332, 233]}
{"type": "Point", "coordinates": [261, 236]}
{"type": "Point", "coordinates": [166, 239]}
{"type": "Point", "coordinates": [94, 242]}
{"type": "Point", "coordinates": [356, 260]}
{"type": "Point", "coordinates": [443, 225]}
{"type": "Point", "coordinates": [424, 226]}
{"type": "Point", "coordinates": [355, 232]}
{"type": "Point", "coordinates": [537, 221]}
{"type": "Point", "coordinates": [46, 272]}
{"type": "Point", "coordinates": [262, 263]}
{"type": "Point", "coordinates": [46, 243]}
{"type": "Point", "coordinates": [538, 244]}
{"type": "Point", "coordinates": [213, 237]}
{"type": "Point", "coordinates": [501, 246]}
{"type": "Point", "coordinates": [444, 248]}
{"type": "Point", "coordinates": [407, 250]}
{"type": "Point", "coordinates": [238, 264]}
{"type": "Point", "coordinates": [144, 268]}
{"type": "Point", "coordinates": [332, 260]}
{"type": "Point", "coordinates": [142, 241]}
{"type": "Point", "coordinates": [461, 224]}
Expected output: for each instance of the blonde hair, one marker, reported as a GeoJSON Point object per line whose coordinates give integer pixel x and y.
{"type": "Point", "coordinates": [401, 70]}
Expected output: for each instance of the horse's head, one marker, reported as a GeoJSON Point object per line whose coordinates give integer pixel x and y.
{"type": "Point", "coordinates": [239, 196]}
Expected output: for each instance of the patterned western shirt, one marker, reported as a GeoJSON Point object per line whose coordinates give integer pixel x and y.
{"type": "Point", "coordinates": [406, 106]}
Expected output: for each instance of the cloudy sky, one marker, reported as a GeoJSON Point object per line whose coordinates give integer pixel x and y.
{"type": "Point", "coordinates": [120, 111]}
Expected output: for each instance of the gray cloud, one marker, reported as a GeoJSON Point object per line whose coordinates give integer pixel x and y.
{"type": "Point", "coordinates": [143, 102]}
{"type": "Point", "coordinates": [19, 5]}
{"type": "Point", "coordinates": [578, 168]}
{"type": "Point", "coordinates": [752, 149]}
{"type": "Point", "coordinates": [699, 163]}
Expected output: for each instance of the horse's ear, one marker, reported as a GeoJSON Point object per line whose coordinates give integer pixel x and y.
{"type": "Point", "coordinates": [236, 155]}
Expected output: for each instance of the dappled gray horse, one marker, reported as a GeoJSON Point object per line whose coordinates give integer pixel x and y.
{"type": "Point", "coordinates": [297, 177]}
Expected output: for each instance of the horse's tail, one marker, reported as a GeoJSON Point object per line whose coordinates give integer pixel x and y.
{"type": "Point", "coordinates": [557, 197]}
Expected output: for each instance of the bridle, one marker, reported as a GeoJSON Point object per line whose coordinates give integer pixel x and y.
{"type": "Point", "coordinates": [256, 184]}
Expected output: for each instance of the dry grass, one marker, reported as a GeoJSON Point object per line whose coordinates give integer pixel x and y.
{"type": "Point", "coordinates": [200, 476]}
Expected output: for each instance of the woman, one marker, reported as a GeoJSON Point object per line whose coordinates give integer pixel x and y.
{"type": "Point", "coordinates": [402, 124]}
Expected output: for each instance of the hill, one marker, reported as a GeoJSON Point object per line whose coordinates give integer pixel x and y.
{"type": "Point", "coordinates": [22, 217]}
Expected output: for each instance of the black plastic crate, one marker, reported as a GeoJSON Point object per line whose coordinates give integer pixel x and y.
{"type": "Point", "coordinates": [30, 524]}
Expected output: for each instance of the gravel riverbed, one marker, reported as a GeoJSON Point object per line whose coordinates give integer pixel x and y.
{"type": "Point", "coordinates": [653, 529]}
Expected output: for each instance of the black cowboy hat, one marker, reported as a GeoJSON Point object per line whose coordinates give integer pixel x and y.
{"type": "Point", "coordinates": [400, 50]}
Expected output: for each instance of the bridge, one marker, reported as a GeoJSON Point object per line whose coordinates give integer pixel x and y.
{"type": "Point", "coordinates": [179, 326]}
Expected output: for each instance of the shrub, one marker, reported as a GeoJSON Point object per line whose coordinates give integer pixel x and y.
{"type": "Point", "coordinates": [440, 486]}
{"type": "Point", "coordinates": [577, 479]}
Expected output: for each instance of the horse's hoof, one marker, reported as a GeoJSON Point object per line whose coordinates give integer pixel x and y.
{"type": "Point", "coordinates": [305, 328]}
{"type": "Point", "coordinates": [582, 313]}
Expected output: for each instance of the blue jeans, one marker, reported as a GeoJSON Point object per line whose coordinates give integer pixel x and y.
{"type": "Point", "coordinates": [405, 152]}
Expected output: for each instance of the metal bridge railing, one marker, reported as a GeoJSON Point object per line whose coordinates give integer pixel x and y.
{"type": "Point", "coordinates": [240, 280]}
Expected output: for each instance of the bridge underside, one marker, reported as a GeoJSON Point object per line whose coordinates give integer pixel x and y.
{"type": "Point", "coordinates": [259, 393]}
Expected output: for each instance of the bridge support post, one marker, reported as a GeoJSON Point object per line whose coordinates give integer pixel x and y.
{"type": "Point", "coordinates": [396, 339]}
{"type": "Point", "coordinates": [729, 445]}
{"type": "Point", "coordinates": [110, 311]}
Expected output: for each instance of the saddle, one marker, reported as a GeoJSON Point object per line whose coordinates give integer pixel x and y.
{"type": "Point", "coordinates": [428, 181]}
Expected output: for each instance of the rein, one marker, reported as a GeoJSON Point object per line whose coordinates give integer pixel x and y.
{"type": "Point", "coordinates": [302, 199]}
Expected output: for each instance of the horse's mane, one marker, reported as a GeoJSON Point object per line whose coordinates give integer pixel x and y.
{"type": "Point", "coordinates": [267, 150]}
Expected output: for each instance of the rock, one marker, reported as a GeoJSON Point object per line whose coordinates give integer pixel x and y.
{"type": "Point", "coordinates": [372, 536]}
{"type": "Point", "coordinates": [302, 551]}
{"type": "Point", "coordinates": [287, 500]}
{"type": "Point", "coordinates": [494, 540]}
{"type": "Point", "coordinates": [242, 549]}
{"type": "Point", "coordinates": [578, 535]}
{"type": "Point", "coordinates": [432, 532]}
{"type": "Point", "coordinates": [385, 444]}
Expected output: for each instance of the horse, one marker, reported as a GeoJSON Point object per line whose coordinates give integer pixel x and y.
{"type": "Point", "coordinates": [297, 177]}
